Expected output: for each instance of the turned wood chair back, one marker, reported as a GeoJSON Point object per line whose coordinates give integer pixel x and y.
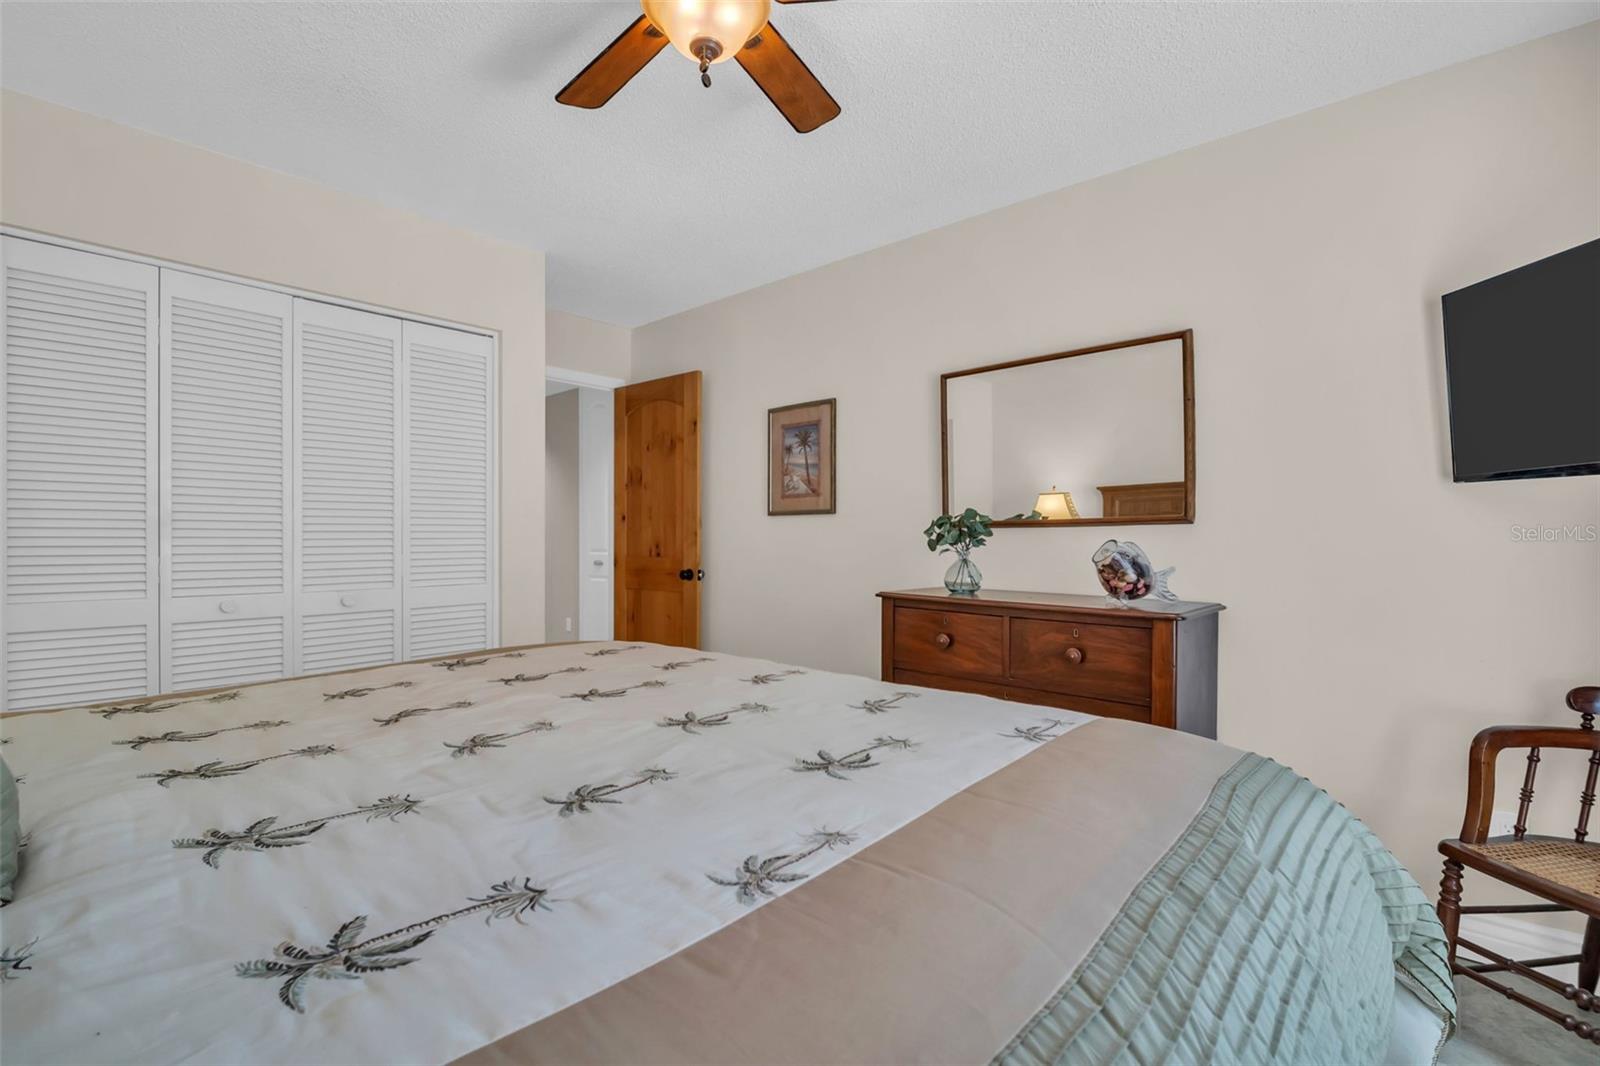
{"type": "Point", "coordinates": [1488, 744]}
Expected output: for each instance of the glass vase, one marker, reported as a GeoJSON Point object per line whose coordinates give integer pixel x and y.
{"type": "Point", "coordinates": [963, 578]}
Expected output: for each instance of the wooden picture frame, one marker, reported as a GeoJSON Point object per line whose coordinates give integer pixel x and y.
{"type": "Point", "coordinates": [802, 465]}
{"type": "Point", "coordinates": [1185, 487]}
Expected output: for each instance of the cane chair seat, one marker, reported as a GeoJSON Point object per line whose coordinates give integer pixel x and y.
{"type": "Point", "coordinates": [1566, 864]}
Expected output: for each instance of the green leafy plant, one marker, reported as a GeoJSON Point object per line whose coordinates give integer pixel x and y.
{"type": "Point", "coordinates": [959, 533]}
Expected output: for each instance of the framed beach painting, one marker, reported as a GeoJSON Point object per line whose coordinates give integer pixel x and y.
{"type": "Point", "coordinates": [800, 459]}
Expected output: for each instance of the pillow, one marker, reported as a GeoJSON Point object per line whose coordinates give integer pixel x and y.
{"type": "Point", "coordinates": [10, 836]}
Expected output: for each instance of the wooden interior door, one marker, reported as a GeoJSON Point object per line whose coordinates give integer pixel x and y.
{"type": "Point", "coordinates": [657, 542]}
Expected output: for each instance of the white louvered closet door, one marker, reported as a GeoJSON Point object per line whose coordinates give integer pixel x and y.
{"type": "Point", "coordinates": [79, 412]}
{"type": "Point", "coordinates": [348, 477]}
{"type": "Point", "coordinates": [225, 464]}
{"type": "Point", "coordinates": [449, 491]}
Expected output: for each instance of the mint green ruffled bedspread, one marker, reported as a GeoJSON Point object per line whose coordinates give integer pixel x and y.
{"type": "Point", "coordinates": [1265, 935]}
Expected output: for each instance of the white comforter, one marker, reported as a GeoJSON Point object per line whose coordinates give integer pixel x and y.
{"type": "Point", "coordinates": [402, 865]}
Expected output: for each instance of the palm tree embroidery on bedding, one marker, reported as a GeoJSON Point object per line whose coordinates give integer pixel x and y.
{"type": "Point", "coordinates": [681, 663]}
{"type": "Point", "coordinates": [357, 693]}
{"type": "Point", "coordinates": [578, 800]}
{"type": "Point", "coordinates": [521, 679]}
{"type": "Point", "coordinates": [453, 665]}
{"type": "Point", "coordinates": [1038, 734]}
{"type": "Point", "coordinates": [172, 736]}
{"type": "Point", "coordinates": [884, 703]}
{"type": "Point", "coordinates": [478, 741]}
{"type": "Point", "coordinates": [265, 834]}
{"type": "Point", "coordinates": [598, 652]}
{"type": "Point", "coordinates": [691, 722]}
{"type": "Point", "coordinates": [350, 958]}
{"type": "Point", "coordinates": [217, 768]}
{"type": "Point", "coordinates": [413, 712]}
{"type": "Point", "coordinates": [162, 705]}
{"type": "Point", "coordinates": [771, 679]}
{"type": "Point", "coordinates": [837, 766]}
{"type": "Point", "coordinates": [611, 693]}
{"type": "Point", "coordinates": [13, 961]}
{"type": "Point", "coordinates": [757, 877]}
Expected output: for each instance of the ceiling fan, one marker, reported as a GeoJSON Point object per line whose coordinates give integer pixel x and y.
{"type": "Point", "coordinates": [709, 32]}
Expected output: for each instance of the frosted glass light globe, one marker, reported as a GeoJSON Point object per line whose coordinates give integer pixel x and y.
{"type": "Point", "coordinates": [727, 24]}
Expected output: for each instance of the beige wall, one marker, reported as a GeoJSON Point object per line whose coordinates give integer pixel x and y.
{"type": "Point", "coordinates": [561, 515]}
{"type": "Point", "coordinates": [72, 175]}
{"type": "Point", "coordinates": [573, 342]}
{"type": "Point", "coordinates": [1378, 613]}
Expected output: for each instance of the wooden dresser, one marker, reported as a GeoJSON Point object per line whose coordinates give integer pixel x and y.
{"type": "Point", "coordinates": [1155, 663]}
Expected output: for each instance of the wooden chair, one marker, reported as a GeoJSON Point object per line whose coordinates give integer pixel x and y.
{"type": "Point", "coordinates": [1564, 872]}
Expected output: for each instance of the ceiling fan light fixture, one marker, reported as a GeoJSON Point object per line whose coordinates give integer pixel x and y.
{"type": "Point", "coordinates": [708, 31]}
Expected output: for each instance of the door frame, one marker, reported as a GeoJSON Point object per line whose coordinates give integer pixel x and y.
{"type": "Point", "coordinates": [596, 479]}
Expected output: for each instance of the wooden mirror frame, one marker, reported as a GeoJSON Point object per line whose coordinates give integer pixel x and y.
{"type": "Point", "coordinates": [1184, 335]}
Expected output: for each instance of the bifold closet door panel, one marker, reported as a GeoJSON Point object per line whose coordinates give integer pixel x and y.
{"type": "Point", "coordinates": [348, 477]}
{"type": "Point", "coordinates": [227, 499]}
{"type": "Point", "coordinates": [78, 420]}
{"type": "Point", "coordinates": [449, 491]}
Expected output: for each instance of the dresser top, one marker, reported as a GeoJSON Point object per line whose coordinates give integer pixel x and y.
{"type": "Point", "coordinates": [1061, 601]}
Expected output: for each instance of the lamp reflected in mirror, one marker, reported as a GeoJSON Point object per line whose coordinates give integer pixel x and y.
{"type": "Point", "coordinates": [1052, 506]}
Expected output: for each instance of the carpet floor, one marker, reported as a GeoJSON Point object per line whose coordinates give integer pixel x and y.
{"type": "Point", "coordinates": [1494, 1031]}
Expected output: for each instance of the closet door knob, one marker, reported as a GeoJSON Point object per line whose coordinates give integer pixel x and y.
{"type": "Point", "coordinates": [347, 601]}
{"type": "Point", "coordinates": [1074, 655]}
{"type": "Point", "coordinates": [943, 640]}
{"type": "Point", "coordinates": [227, 606]}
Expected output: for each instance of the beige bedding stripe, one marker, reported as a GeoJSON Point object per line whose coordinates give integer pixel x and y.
{"type": "Point", "coordinates": [936, 944]}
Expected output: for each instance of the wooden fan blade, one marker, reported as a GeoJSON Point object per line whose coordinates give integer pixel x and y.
{"type": "Point", "coordinates": [787, 81]}
{"type": "Point", "coordinates": [614, 67]}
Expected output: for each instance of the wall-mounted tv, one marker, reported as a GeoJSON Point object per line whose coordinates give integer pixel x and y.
{"type": "Point", "coordinates": [1522, 358]}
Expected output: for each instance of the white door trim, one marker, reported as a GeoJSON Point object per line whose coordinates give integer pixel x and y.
{"type": "Point", "coordinates": [582, 378]}
{"type": "Point", "coordinates": [596, 514]}
{"type": "Point", "coordinates": [596, 508]}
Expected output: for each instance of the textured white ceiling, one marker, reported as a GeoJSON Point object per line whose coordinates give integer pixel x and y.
{"type": "Point", "coordinates": [673, 195]}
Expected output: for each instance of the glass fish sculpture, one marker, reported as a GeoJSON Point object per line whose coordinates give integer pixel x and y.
{"type": "Point", "coordinates": [1126, 574]}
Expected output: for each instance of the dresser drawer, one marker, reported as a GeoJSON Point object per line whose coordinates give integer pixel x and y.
{"type": "Point", "coordinates": [1133, 712]}
{"type": "Point", "coordinates": [949, 642]}
{"type": "Point", "coordinates": [1080, 658]}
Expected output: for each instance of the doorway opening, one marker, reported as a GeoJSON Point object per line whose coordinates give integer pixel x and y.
{"type": "Point", "coordinates": [579, 580]}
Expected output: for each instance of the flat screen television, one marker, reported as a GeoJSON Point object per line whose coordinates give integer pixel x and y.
{"type": "Point", "coordinates": [1522, 360]}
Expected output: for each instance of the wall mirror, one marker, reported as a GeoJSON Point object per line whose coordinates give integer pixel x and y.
{"type": "Point", "coordinates": [1094, 436]}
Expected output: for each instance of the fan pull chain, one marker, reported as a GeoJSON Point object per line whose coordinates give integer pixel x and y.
{"type": "Point", "coordinates": [707, 50]}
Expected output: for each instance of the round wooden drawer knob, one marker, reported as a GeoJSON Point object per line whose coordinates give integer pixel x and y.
{"type": "Point", "coordinates": [1074, 655]}
{"type": "Point", "coordinates": [943, 640]}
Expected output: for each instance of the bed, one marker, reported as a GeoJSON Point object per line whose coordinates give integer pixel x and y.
{"type": "Point", "coordinates": [633, 853]}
